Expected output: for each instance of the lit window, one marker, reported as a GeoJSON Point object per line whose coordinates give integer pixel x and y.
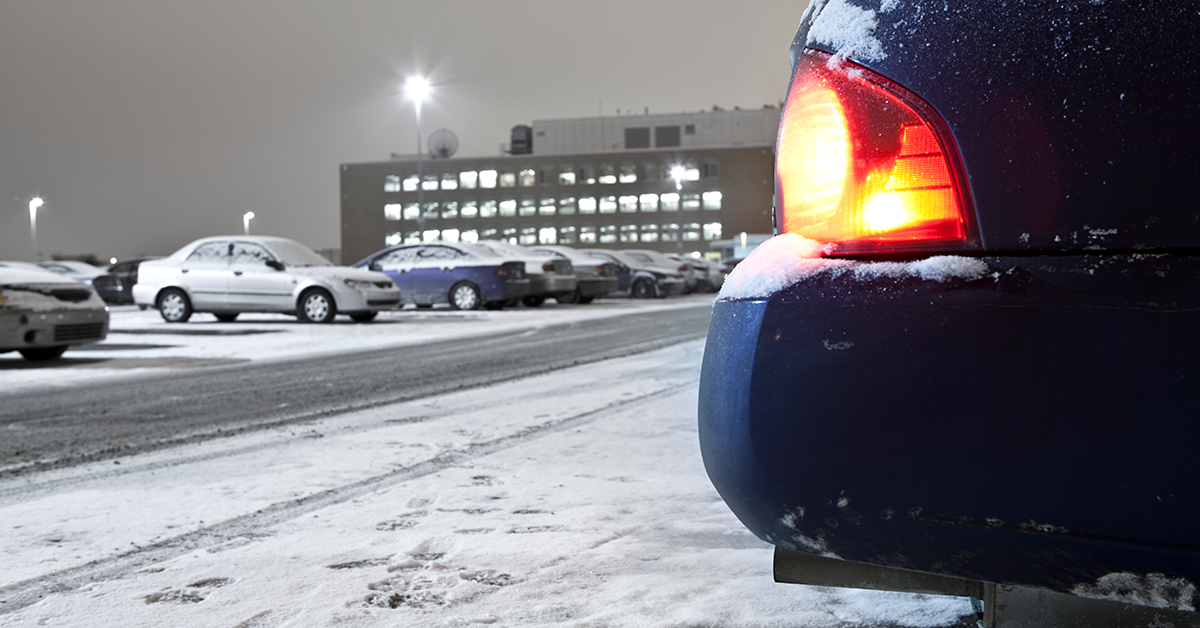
{"type": "Point", "coordinates": [391, 211]}
{"type": "Point", "coordinates": [691, 201]}
{"type": "Point", "coordinates": [449, 181]}
{"type": "Point", "coordinates": [608, 174]}
{"type": "Point", "coordinates": [487, 178]}
{"type": "Point", "coordinates": [412, 237]}
{"type": "Point", "coordinates": [488, 234]}
{"type": "Point", "coordinates": [528, 206]}
{"type": "Point", "coordinates": [431, 209]}
{"type": "Point", "coordinates": [587, 173]}
{"type": "Point", "coordinates": [670, 232]}
{"type": "Point", "coordinates": [711, 199]}
{"type": "Point", "coordinates": [691, 172]}
{"type": "Point", "coordinates": [411, 211]}
{"type": "Point", "coordinates": [410, 183]}
{"type": "Point", "coordinates": [469, 235]}
{"type": "Point", "coordinates": [567, 175]}
{"type": "Point", "coordinates": [566, 204]}
{"type": "Point", "coordinates": [608, 234]}
{"type": "Point", "coordinates": [508, 180]}
{"type": "Point", "coordinates": [648, 202]}
{"type": "Point", "coordinates": [608, 204]}
{"type": "Point", "coordinates": [587, 234]}
{"type": "Point", "coordinates": [509, 235]}
{"type": "Point", "coordinates": [487, 208]}
{"type": "Point", "coordinates": [450, 235]}
{"type": "Point", "coordinates": [547, 207]}
{"type": "Point", "coordinates": [431, 182]}
{"type": "Point", "coordinates": [469, 209]}
{"type": "Point", "coordinates": [508, 207]}
{"type": "Point", "coordinates": [527, 178]}
{"type": "Point", "coordinates": [587, 205]}
{"type": "Point", "coordinates": [629, 204]}
{"type": "Point", "coordinates": [628, 172]}
{"type": "Point", "coordinates": [450, 209]}
{"type": "Point", "coordinates": [393, 238]}
{"type": "Point", "coordinates": [391, 183]}
{"type": "Point", "coordinates": [649, 233]}
{"type": "Point", "coordinates": [712, 231]}
{"type": "Point", "coordinates": [670, 202]}
{"type": "Point", "coordinates": [547, 235]}
{"type": "Point", "coordinates": [629, 233]}
{"type": "Point", "coordinates": [432, 235]}
{"type": "Point", "coordinates": [566, 234]}
{"type": "Point", "coordinates": [468, 180]}
{"type": "Point", "coordinates": [691, 231]}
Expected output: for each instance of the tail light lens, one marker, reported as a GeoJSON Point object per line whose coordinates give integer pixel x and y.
{"type": "Point", "coordinates": [865, 164]}
{"type": "Point", "coordinates": [548, 267]}
{"type": "Point", "coordinates": [511, 270]}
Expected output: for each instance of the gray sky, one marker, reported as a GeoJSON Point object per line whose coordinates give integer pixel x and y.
{"type": "Point", "coordinates": [145, 124]}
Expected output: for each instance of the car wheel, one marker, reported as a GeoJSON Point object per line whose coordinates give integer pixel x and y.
{"type": "Point", "coordinates": [586, 300]}
{"type": "Point", "coordinates": [37, 354]}
{"type": "Point", "coordinates": [533, 301]}
{"type": "Point", "coordinates": [465, 295]}
{"type": "Point", "coordinates": [569, 297]}
{"type": "Point", "coordinates": [643, 289]}
{"type": "Point", "coordinates": [316, 306]}
{"type": "Point", "coordinates": [174, 306]}
{"type": "Point", "coordinates": [493, 305]}
{"type": "Point", "coordinates": [227, 318]}
{"type": "Point", "coordinates": [511, 302]}
{"type": "Point", "coordinates": [363, 317]}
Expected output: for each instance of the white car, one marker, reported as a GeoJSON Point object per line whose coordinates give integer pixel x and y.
{"type": "Point", "coordinates": [228, 275]}
{"type": "Point", "coordinates": [82, 272]}
{"type": "Point", "coordinates": [43, 313]}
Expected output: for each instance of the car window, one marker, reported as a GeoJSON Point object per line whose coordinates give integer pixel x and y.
{"type": "Point", "coordinates": [437, 253]}
{"type": "Point", "coordinates": [209, 254]}
{"type": "Point", "coordinates": [646, 259]}
{"type": "Point", "coordinates": [250, 254]}
{"type": "Point", "coordinates": [399, 257]}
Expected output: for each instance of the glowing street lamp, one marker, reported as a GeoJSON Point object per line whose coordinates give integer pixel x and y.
{"type": "Point", "coordinates": [246, 222]}
{"type": "Point", "coordinates": [678, 173]}
{"type": "Point", "coordinates": [417, 89]}
{"type": "Point", "coordinates": [33, 207]}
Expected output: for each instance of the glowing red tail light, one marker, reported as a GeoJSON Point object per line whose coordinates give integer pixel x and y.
{"type": "Point", "coordinates": [866, 164]}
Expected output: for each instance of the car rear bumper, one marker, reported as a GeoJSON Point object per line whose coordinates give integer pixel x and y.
{"type": "Point", "coordinates": [671, 287]}
{"type": "Point", "coordinates": [598, 286]}
{"type": "Point", "coordinates": [1036, 427]}
{"type": "Point", "coordinates": [545, 284]}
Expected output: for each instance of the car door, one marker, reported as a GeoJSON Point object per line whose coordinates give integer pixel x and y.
{"type": "Point", "coordinates": [205, 274]}
{"type": "Point", "coordinates": [255, 286]}
{"type": "Point", "coordinates": [398, 264]}
{"type": "Point", "coordinates": [434, 271]}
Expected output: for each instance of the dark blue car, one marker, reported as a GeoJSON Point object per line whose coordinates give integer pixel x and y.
{"type": "Point", "coordinates": [464, 275]}
{"type": "Point", "coordinates": [971, 353]}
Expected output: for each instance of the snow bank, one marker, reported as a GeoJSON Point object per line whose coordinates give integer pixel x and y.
{"type": "Point", "coordinates": [847, 29]}
{"type": "Point", "coordinates": [1155, 590]}
{"type": "Point", "coordinates": [789, 259]}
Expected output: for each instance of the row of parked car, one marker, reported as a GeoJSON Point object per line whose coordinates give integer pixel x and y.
{"type": "Point", "coordinates": [229, 275]}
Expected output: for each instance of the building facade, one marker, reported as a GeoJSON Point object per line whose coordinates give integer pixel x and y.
{"type": "Point", "coordinates": [673, 183]}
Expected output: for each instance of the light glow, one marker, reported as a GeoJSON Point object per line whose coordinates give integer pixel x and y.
{"type": "Point", "coordinates": [417, 88]}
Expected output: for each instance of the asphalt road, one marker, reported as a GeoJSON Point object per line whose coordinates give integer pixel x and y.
{"type": "Point", "coordinates": [87, 423]}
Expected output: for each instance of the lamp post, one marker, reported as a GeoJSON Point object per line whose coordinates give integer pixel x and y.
{"type": "Point", "coordinates": [246, 222]}
{"type": "Point", "coordinates": [417, 89]}
{"type": "Point", "coordinates": [33, 207]}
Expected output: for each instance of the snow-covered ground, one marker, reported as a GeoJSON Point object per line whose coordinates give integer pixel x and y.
{"type": "Point", "coordinates": [574, 498]}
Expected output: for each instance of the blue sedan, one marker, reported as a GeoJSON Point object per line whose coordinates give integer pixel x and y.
{"type": "Point", "coordinates": [462, 274]}
{"type": "Point", "coordinates": [971, 351]}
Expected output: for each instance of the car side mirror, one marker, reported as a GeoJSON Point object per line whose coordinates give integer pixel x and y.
{"type": "Point", "coordinates": [277, 265]}
{"type": "Point", "coordinates": [374, 266]}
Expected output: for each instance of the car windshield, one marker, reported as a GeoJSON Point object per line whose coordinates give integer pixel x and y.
{"type": "Point", "coordinates": [506, 248]}
{"type": "Point", "coordinates": [296, 254]}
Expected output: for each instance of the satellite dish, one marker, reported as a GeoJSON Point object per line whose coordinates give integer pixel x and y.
{"type": "Point", "coordinates": [443, 144]}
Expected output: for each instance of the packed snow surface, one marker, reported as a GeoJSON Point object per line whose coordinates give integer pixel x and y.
{"type": "Point", "coordinates": [575, 498]}
{"type": "Point", "coordinates": [788, 259]}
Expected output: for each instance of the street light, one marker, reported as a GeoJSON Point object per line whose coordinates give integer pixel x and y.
{"type": "Point", "coordinates": [417, 89]}
{"type": "Point", "coordinates": [246, 222]}
{"type": "Point", "coordinates": [33, 207]}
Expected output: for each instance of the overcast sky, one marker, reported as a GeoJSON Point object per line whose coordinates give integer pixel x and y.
{"type": "Point", "coordinates": [145, 124]}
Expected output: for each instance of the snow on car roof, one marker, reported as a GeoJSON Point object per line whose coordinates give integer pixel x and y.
{"type": "Point", "coordinates": [17, 273]}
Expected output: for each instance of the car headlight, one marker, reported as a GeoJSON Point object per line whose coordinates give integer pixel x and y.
{"type": "Point", "coordinates": [359, 284]}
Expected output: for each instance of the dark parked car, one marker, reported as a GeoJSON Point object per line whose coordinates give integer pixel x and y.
{"type": "Point", "coordinates": [115, 286]}
{"type": "Point", "coordinates": [639, 279]}
{"type": "Point", "coordinates": [462, 274]}
{"type": "Point", "coordinates": [596, 277]}
{"type": "Point", "coordinates": [972, 353]}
